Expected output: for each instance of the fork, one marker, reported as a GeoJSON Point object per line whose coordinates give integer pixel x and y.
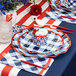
{"type": "Point", "coordinates": [60, 27]}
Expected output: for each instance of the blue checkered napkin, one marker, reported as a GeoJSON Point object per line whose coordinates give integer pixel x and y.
{"type": "Point", "coordinates": [12, 58]}
{"type": "Point", "coordinates": [54, 42]}
{"type": "Point", "coordinates": [63, 49]}
{"type": "Point", "coordinates": [72, 3]}
{"type": "Point", "coordinates": [53, 14]}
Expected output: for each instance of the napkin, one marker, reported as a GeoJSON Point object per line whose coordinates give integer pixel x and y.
{"type": "Point", "coordinates": [43, 62]}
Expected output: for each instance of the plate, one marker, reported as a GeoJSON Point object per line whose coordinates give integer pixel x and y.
{"type": "Point", "coordinates": [61, 9]}
{"type": "Point", "coordinates": [16, 47]}
{"type": "Point", "coordinates": [58, 11]}
{"type": "Point", "coordinates": [54, 43]}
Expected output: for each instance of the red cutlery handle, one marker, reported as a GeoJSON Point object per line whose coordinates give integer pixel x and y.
{"type": "Point", "coordinates": [65, 31]}
{"type": "Point", "coordinates": [63, 28]}
{"type": "Point", "coordinates": [68, 17]}
{"type": "Point", "coordinates": [32, 64]}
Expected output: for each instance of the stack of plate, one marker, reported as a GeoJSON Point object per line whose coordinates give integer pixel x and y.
{"type": "Point", "coordinates": [57, 43]}
{"type": "Point", "coordinates": [65, 8]}
{"type": "Point", "coordinates": [68, 6]}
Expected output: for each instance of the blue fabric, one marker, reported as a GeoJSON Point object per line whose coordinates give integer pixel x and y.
{"type": "Point", "coordinates": [62, 61]}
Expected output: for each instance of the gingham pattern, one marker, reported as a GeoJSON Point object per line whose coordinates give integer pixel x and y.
{"type": "Point", "coordinates": [21, 13]}
{"type": "Point", "coordinates": [54, 42]}
{"type": "Point", "coordinates": [64, 3]}
{"type": "Point", "coordinates": [39, 41]}
{"type": "Point", "coordinates": [16, 29]}
{"type": "Point", "coordinates": [12, 59]}
{"type": "Point", "coordinates": [53, 14]}
{"type": "Point", "coordinates": [72, 3]}
{"type": "Point", "coordinates": [56, 13]}
{"type": "Point", "coordinates": [15, 44]}
{"type": "Point", "coordinates": [54, 5]}
{"type": "Point", "coordinates": [60, 4]}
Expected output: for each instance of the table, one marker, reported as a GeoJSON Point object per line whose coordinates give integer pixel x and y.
{"type": "Point", "coordinates": [70, 71]}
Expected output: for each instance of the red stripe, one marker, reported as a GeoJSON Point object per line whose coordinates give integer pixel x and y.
{"type": "Point", "coordinates": [5, 51]}
{"type": "Point", "coordinates": [6, 70]}
{"type": "Point", "coordinates": [51, 21]}
{"type": "Point", "coordinates": [64, 28]}
{"type": "Point", "coordinates": [68, 17]}
{"type": "Point", "coordinates": [28, 15]}
{"type": "Point", "coordinates": [41, 72]}
{"type": "Point", "coordinates": [42, 15]}
{"type": "Point", "coordinates": [22, 8]}
{"type": "Point", "coordinates": [23, 19]}
{"type": "Point", "coordinates": [32, 24]}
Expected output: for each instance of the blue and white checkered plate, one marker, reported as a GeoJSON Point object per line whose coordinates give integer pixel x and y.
{"type": "Point", "coordinates": [57, 5]}
{"type": "Point", "coordinates": [54, 43]}
{"type": "Point", "coordinates": [59, 11]}
{"type": "Point", "coordinates": [31, 47]}
{"type": "Point", "coordinates": [69, 3]}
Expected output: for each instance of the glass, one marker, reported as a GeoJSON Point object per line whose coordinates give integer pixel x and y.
{"type": "Point", "coordinates": [5, 29]}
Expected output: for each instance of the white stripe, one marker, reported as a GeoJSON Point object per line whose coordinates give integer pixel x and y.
{"type": "Point", "coordinates": [1, 68]}
{"type": "Point", "coordinates": [3, 46]}
{"type": "Point", "coordinates": [45, 6]}
{"type": "Point", "coordinates": [57, 23]}
{"type": "Point", "coordinates": [30, 19]}
{"type": "Point", "coordinates": [19, 6]}
{"type": "Point", "coordinates": [22, 14]}
{"type": "Point", "coordinates": [14, 71]}
{"type": "Point", "coordinates": [45, 20]}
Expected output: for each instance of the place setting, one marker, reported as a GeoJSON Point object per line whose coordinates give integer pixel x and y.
{"type": "Point", "coordinates": [36, 43]}
{"type": "Point", "coordinates": [35, 35]}
{"type": "Point", "coordinates": [63, 11]}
